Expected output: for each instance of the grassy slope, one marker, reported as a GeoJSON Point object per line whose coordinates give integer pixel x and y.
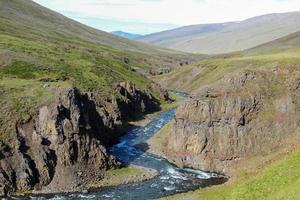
{"type": "Point", "coordinates": [282, 53]}
{"type": "Point", "coordinates": [36, 20]}
{"type": "Point", "coordinates": [26, 19]}
{"type": "Point", "coordinates": [234, 37]}
{"type": "Point", "coordinates": [41, 51]}
{"type": "Point", "coordinates": [279, 180]}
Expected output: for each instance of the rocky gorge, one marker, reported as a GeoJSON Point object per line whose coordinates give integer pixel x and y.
{"type": "Point", "coordinates": [64, 144]}
{"type": "Point", "coordinates": [245, 114]}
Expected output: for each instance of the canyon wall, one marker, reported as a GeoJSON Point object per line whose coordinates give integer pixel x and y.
{"type": "Point", "coordinates": [63, 146]}
{"type": "Point", "coordinates": [249, 113]}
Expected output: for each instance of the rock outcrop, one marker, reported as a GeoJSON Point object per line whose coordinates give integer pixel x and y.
{"type": "Point", "coordinates": [64, 145]}
{"type": "Point", "coordinates": [247, 114]}
{"type": "Point", "coordinates": [133, 102]}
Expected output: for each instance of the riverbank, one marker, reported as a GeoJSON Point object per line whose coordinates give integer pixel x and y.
{"type": "Point", "coordinates": [126, 175]}
{"type": "Point", "coordinates": [157, 143]}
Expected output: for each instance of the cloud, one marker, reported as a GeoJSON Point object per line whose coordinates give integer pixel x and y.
{"type": "Point", "coordinates": [167, 12]}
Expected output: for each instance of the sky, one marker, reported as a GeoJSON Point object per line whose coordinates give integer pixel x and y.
{"type": "Point", "coordinates": [148, 16]}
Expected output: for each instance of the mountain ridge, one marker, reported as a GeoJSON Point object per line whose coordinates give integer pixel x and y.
{"type": "Point", "coordinates": [236, 36]}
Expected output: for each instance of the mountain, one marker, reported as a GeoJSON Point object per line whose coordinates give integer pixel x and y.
{"type": "Point", "coordinates": [227, 37]}
{"type": "Point", "coordinates": [126, 35]}
{"type": "Point", "coordinates": [166, 37]}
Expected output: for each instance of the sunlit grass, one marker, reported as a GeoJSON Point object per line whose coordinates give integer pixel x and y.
{"type": "Point", "coordinates": [280, 180]}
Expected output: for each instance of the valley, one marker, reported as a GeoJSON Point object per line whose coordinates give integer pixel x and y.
{"type": "Point", "coordinates": [207, 111]}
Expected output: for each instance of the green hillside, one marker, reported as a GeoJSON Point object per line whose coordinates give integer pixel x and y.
{"type": "Point", "coordinates": [284, 52]}
{"type": "Point", "coordinates": [42, 51]}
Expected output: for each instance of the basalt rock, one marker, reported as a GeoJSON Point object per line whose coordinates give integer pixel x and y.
{"type": "Point", "coordinates": [134, 102]}
{"type": "Point", "coordinates": [244, 115]}
{"type": "Point", "coordinates": [159, 91]}
{"type": "Point", "coordinates": [64, 145]}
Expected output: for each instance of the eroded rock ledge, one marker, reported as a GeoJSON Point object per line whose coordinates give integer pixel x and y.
{"type": "Point", "coordinates": [247, 114]}
{"type": "Point", "coordinates": [64, 145]}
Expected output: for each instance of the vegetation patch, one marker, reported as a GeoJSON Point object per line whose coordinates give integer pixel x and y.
{"type": "Point", "coordinates": [125, 175]}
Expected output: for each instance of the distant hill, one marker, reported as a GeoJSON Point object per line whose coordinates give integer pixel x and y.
{"type": "Point", "coordinates": [126, 35]}
{"type": "Point", "coordinates": [168, 36]}
{"type": "Point", "coordinates": [227, 37]}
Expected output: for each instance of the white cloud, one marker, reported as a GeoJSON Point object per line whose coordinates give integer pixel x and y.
{"type": "Point", "coordinates": [171, 11]}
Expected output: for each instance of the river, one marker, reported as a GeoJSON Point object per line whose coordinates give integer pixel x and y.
{"type": "Point", "coordinates": [171, 180]}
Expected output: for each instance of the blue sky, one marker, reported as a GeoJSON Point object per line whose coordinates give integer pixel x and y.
{"type": "Point", "coordinates": [147, 16]}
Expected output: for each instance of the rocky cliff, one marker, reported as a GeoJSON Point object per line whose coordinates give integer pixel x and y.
{"type": "Point", "coordinates": [249, 113]}
{"type": "Point", "coordinates": [64, 144]}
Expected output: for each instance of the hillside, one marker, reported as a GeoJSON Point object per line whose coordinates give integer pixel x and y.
{"type": "Point", "coordinates": [21, 14]}
{"type": "Point", "coordinates": [228, 37]}
{"type": "Point", "coordinates": [28, 20]}
{"type": "Point", "coordinates": [286, 43]}
{"type": "Point", "coordinates": [282, 51]}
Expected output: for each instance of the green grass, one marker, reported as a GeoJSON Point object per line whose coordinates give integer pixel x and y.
{"type": "Point", "coordinates": [23, 193]}
{"type": "Point", "coordinates": [280, 180]}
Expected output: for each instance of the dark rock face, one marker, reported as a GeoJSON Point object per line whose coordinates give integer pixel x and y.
{"type": "Point", "coordinates": [64, 146]}
{"type": "Point", "coordinates": [157, 89]}
{"type": "Point", "coordinates": [134, 102]}
{"type": "Point", "coordinates": [238, 118]}
{"type": "Point", "coordinates": [7, 174]}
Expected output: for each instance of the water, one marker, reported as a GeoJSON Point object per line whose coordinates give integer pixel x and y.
{"type": "Point", "coordinates": [171, 180]}
{"type": "Point", "coordinates": [182, 94]}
